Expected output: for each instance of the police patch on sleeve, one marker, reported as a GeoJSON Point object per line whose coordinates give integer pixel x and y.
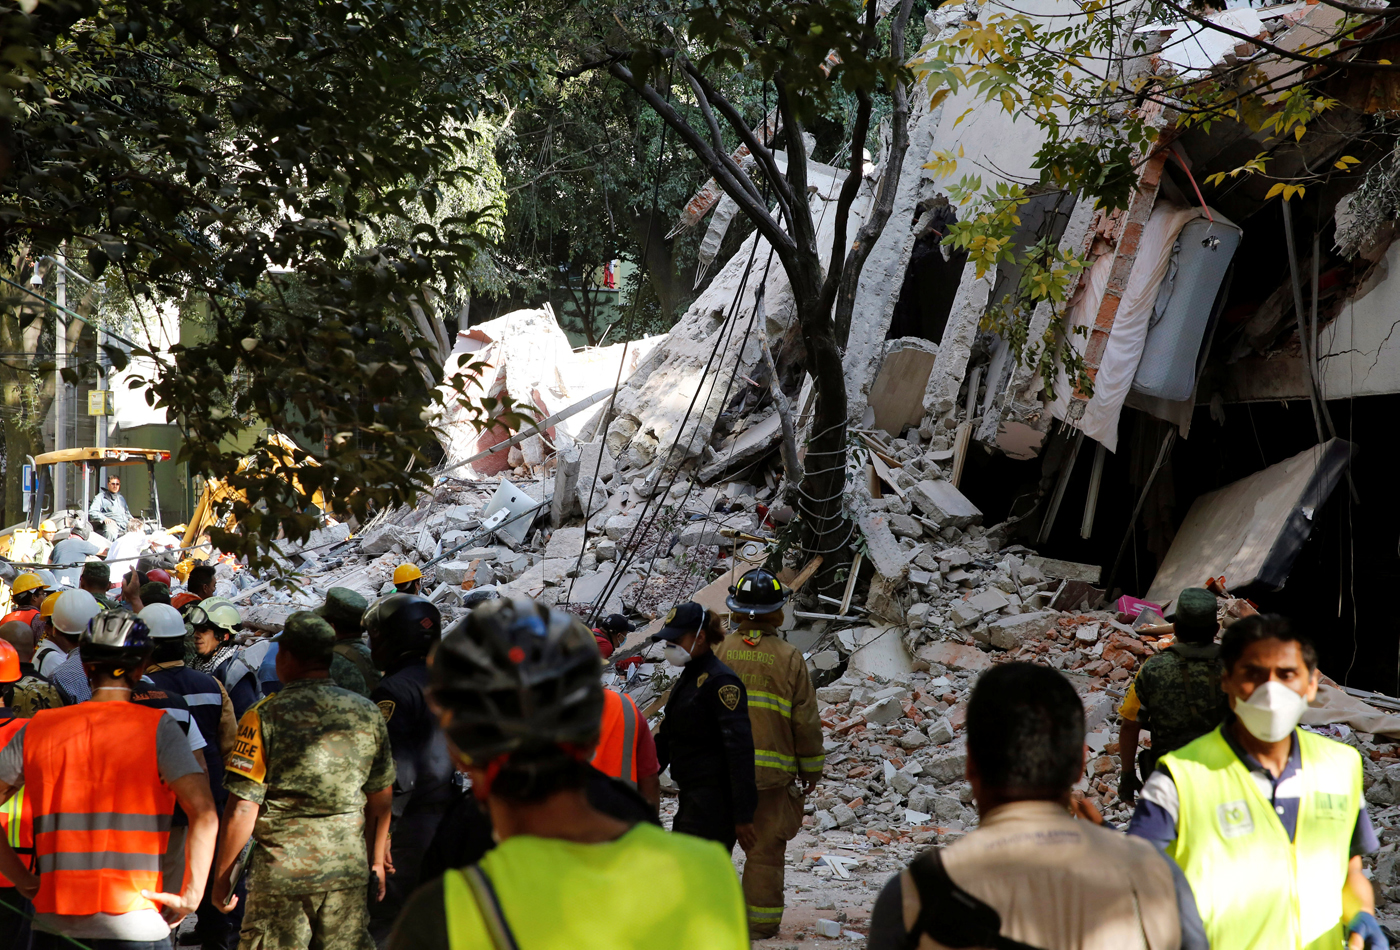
{"type": "Point", "coordinates": [700, 680]}
{"type": "Point", "coordinates": [729, 695]}
{"type": "Point", "coordinates": [248, 759]}
{"type": "Point", "coordinates": [386, 707]}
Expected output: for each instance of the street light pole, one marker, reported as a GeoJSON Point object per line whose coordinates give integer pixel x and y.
{"type": "Point", "coordinates": [60, 390]}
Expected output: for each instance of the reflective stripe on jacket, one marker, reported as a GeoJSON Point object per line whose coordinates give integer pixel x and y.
{"type": "Point", "coordinates": [17, 814]}
{"type": "Point", "coordinates": [787, 731]}
{"type": "Point", "coordinates": [616, 754]}
{"type": "Point", "coordinates": [101, 812]}
{"type": "Point", "coordinates": [1257, 890]}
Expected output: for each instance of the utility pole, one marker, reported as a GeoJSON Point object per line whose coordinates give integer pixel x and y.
{"type": "Point", "coordinates": [60, 390]}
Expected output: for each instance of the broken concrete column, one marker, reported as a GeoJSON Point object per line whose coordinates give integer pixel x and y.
{"type": "Point", "coordinates": [883, 274]}
{"type": "Point", "coordinates": [885, 554]}
{"type": "Point", "coordinates": [941, 396]}
{"type": "Point", "coordinates": [564, 503]}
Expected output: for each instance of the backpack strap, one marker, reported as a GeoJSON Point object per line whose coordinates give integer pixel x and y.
{"type": "Point", "coordinates": [486, 901]}
{"type": "Point", "coordinates": [949, 914]}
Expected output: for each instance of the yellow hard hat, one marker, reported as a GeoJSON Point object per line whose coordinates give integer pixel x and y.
{"type": "Point", "coordinates": [46, 608]}
{"type": "Point", "coordinates": [405, 573]}
{"type": "Point", "coordinates": [26, 582]}
{"type": "Point", "coordinates": [48, 526]}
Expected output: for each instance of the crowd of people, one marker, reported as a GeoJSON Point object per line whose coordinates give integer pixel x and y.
{"type": "Point", "coordinates": [363, 779]}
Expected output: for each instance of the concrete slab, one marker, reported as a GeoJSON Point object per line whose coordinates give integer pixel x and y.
{"type": "Point", "coordinates": [880, 652]}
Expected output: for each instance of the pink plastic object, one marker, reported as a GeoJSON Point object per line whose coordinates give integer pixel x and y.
{"type": "Point", "coordinates": [1130, 607]}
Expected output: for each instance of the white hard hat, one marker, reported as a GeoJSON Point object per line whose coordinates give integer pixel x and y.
{"type": "Point", "coordinates": [48, 578]}
{"type": "Point", "coordinates": [163, 620]}
{"type": "Point", "coordinates": [73, 611]}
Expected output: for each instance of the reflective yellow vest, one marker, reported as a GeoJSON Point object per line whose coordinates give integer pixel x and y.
{"type": "Point", "coordinates": [1257, 890]}
{"type": "Point", "coordinates": [647, 889]}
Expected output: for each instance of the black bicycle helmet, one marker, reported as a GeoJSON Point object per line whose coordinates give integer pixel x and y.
{"type": "Point", "coordinates": [115, 636]}
{"type": "Point", "coordinates": [402, 625]}
{"type": "Point", "coordinates": [516, 676]}
{"type": "Point", "coordinates": [758, 592]}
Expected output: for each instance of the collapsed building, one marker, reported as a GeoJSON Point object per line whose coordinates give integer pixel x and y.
{"type": "Point", "coordinates": [1245, 369]}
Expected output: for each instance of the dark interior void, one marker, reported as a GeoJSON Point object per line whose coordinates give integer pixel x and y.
{"type": "Point", "coordinates": [1342, 585]}
{"type": "Point", "coordinates": [930, 282]}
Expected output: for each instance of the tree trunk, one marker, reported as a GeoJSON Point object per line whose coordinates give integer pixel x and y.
{"type": "Point", "coordinates": [658, 263]}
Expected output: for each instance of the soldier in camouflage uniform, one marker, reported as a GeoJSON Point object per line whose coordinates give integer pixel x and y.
{"type": "Point", "coordinates": [344, 610]}
{"type": "Point", "coordinates": [311, 769]}
{"type": "Point", "coordinates": [32, 693]}
{"type": "Point", "coordinates": [1176, 695]}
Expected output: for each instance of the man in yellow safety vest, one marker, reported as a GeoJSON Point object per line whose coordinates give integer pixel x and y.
{"type": "Point", "coordinates": [1267, 820]}
{"type": "Point", "coordinates": [516, 689]}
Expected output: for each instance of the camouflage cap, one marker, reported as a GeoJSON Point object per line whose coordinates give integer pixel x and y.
{"type": "Point", "coordinates": [344, 606]}
{"type": "Point", "coordinates": [99, 572]}
{"type": "Point", "coordinates": [307, 637]}
{"type": "Point", "coordinates": [1194, 616]}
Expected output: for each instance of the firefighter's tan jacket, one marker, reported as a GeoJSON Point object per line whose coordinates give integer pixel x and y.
{"type": "Point", "coordinates": [787, 732]}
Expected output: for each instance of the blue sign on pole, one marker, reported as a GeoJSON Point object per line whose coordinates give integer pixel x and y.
{"type": "Point", "coordinates": [26, 478]}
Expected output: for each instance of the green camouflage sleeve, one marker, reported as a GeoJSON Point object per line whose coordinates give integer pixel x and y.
{"type": "Point", "coordinates": [381, 771]}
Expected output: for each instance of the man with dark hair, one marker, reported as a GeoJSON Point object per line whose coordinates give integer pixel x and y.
{"type": "Point", "coordinates": [1176, 695]}
{"type": "Point", "coordinates": [1030, 872]}
{"type": "Point", "coordinates": [1267, 820]}
{"type": "Point", "coordinates": [311, 781]}
{"type": "Point", "coordinates": [202, 583]}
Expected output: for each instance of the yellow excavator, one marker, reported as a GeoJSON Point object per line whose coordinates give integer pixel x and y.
{"type": "Point", "coordinates": [217, 490]}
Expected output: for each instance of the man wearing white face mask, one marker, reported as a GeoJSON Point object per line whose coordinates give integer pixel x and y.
{"type": "Point", "coordinates": [1266, 820]}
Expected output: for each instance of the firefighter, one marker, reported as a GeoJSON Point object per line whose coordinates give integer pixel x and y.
{"type": "Point", "coordinates": [787, 736]}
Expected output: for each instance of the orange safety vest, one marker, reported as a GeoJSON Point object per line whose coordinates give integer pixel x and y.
{"type": "Point", "coordinates": [19, 833]}
{"type": "Point", "coordinates": [101, 812]}
{"type": "Point", "coordinates": [616, 754]}
{"type": "Point", "coordinates": [24, 615]}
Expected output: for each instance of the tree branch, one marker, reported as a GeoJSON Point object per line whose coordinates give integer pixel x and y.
{"type": "Point", "coordinates": [871, 230]}
{"type": "Point", "coordinates": [787, 200]}
{"type": "Point", "coordinates": [782, 242]}
{"type": "Point", "coordinates": [720, 151]}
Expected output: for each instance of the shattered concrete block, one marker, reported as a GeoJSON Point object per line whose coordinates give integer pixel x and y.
{"type": "Point", "coordinates": [565, 542]}
{"type": "Point", "coordinates": [618, 527]}
{"type": "Point", "coordinates": [921, 798]}
{"type": "Point", "coordinates": [843, 814]}
{"type": "Point", "coordinates": [946, 769]}
{"type": "Point", "coordinates": [947, 807]}
{"type": "Point", "coordinates": [824, 821]}
{"type": "Point", "coordinates": [940, 731]}
{"type": "Point", "coordinates": [1087, 633]}
{"type": "Point", "coordinates": [882, 548]}
{"type": "Point", "coordinates": [606, 549]}
{"type": "Point", "coordinates": [905, 526]}
{"type": "Point", "coordinates": [943, 503]}
{"type": "Point", "coordinates": [912, 740]}
{"type": "Point", "coordinates": [1009, 633]}
{"type": "Point", "coordinates": [965, 613]}
{"type": "Point", "coordinates": [892, 692]}
{"type": "Point", "coordinates": [989, 601]}
{"type": "Point", "coordinates": [828, 928]}
{"type": "Point", "coordinates": [1065, 570]}
{"type": "Point", "coordinates": [379, 540]}
{"type": "Point", "coordinates": [454, 572]}
{"type": "Point", "coordinates": [834, 694]}
{"type": "Point", "coordinates": [826, 660]}
{"type": "Point", "coordinates": [917, 615]}
{"type": "Point", "coordinates": [902, 782]}
{"type": "Point", "coordinates": [883, 712]}
{"type": "Point", "coordinates": [1097, 707]}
